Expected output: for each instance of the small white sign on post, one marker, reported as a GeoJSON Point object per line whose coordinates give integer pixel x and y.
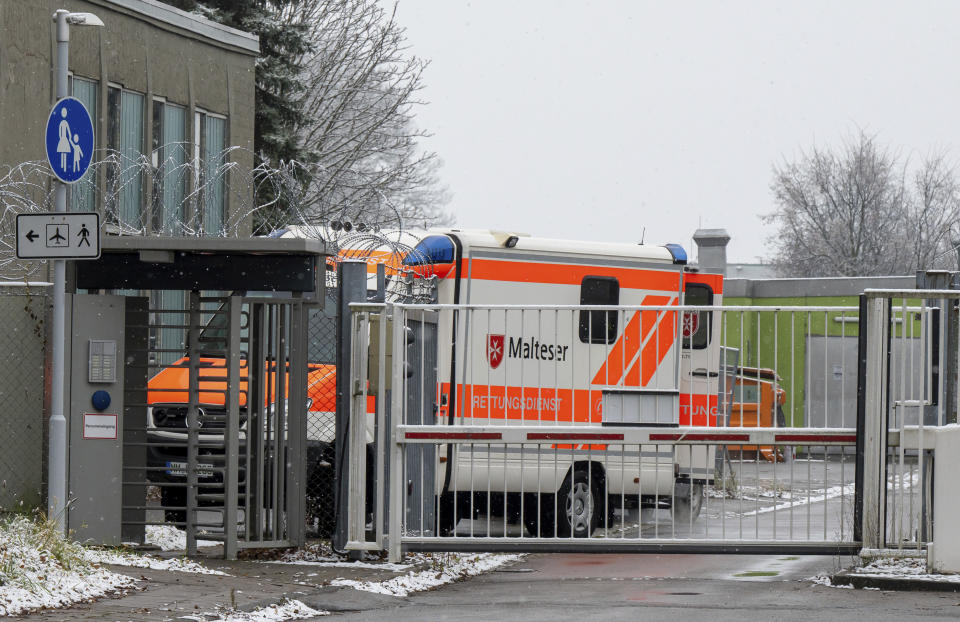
{"type": "Point", "coordinates": [58, 235]}
{"type": "Point", "coordinates": [99, 426]}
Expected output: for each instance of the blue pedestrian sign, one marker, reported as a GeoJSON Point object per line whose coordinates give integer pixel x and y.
{"type": "Point", "coordinates": [69, 139]}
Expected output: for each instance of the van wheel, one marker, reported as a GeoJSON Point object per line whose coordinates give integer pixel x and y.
{"type": "Point", "coordinates": [579, 505]}
{"type": "Point", "coordinates": [687, 502]}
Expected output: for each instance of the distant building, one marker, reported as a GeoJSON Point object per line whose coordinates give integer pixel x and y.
{"type": "Point", "coordinates": [163, 86]}
{"type": "Point", "coordinates": [750, 271]}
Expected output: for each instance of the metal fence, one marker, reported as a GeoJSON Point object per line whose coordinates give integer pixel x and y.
{"type": "Point", "coordinates": [688, 428]}
{"type": "Point", "coordinates": [321, 417]}
{"type": "Point", "coordinates": [22, 377]}
{"type": "Point", "coordinates": [222, 434]}
{"type": "Point", "coordinates": [912, 382]}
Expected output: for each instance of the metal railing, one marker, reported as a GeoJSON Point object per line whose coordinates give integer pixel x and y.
{"type": "Point", "coordinates": [220, 450]}
{"type": "Point", "coordinates": [734, 431]}
{"type": "Point", "coordinates": [911, 389]}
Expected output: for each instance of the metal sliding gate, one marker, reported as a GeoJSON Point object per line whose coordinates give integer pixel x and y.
{"type": "Point", "coordinates": [222, 449]}
{"type": "Point", "coordinates": [714, 429]}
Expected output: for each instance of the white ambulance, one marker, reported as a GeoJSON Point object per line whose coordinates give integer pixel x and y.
{"type": "Point", "coordinates": [520, 354]}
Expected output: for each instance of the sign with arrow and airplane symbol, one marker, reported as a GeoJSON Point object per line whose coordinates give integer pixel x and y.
{"type": "Point", "coordinates": [58, 235]}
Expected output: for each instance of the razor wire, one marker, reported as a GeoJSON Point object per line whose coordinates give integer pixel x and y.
{"type": "Point", "coordinates": [144, 195]}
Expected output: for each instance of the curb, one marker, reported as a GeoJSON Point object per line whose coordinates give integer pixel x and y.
{"type": "Point", "coordinates": [894, 584]}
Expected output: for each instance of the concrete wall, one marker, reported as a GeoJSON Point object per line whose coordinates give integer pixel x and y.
{"type": "Point", "coordinates": [145, 46]}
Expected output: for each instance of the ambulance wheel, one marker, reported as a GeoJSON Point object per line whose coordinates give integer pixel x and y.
{"type": "Point", "coordinates": [580, 505]}
{"type": "Point", "coordinates": [687, 502]}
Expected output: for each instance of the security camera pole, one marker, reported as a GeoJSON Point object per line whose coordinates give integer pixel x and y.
{"type": "Point", "coordinates": [57, 463]}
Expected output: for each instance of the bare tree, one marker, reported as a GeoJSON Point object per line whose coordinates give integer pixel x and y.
{"type": "Point", "coordinates": [932, 215]}
{"type": "Point", "coordinates": [363, 156]}
{"type": "Point", "coordinates": [853, 213]}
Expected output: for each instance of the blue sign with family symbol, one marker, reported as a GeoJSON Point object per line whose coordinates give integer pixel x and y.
{"type": "Point", "coordinates": [69, 139]}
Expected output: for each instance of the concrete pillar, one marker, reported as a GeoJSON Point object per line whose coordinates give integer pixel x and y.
{"type": "Point", "coordinates": [943, 554]}
{"type": "Point", "coordinates": [712, 249]}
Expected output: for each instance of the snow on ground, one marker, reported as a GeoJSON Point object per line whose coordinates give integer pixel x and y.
{"type": "Point", "coordinates": [892, 568]}
{"type": "Point", "coordinates": [444, 568]}
{"type": "Point", "coordinates": [811, 496]}
{"type": "Point", "coordinates": [123, 558]}
{"type": "Point", "coordinates": [170, 538]}
{"type": "Point", "coordinates": [287, 610]}
{"type": "Point", "coordinates": [825, 581]}
{"type": "Point", "coordinates": [39, 569]}
{"type": "Point", "coordinates": [903, 568]}
{"type": "Point", "coordinates": [320, 554]}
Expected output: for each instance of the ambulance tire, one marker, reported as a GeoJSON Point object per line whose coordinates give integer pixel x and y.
{"type": "Point", "coordinates": [687, 502]}
{"type": "Point", "coordinates": [580, 504]}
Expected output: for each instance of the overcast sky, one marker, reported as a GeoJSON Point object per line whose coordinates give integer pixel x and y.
{"type": "Point", "coordinates": [595, 120]}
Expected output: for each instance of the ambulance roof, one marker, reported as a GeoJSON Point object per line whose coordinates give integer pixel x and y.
{"type": "Point", "coordinates": [478, 239]}
{"type": "Point", "coordinates": [386, 239]}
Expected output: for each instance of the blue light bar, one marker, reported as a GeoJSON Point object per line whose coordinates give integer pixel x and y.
{"type": "Point", "coordinates": [679, 255]}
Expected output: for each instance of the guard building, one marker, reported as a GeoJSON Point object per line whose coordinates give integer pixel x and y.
{"type": "Point", "coordinates": [171, 96]}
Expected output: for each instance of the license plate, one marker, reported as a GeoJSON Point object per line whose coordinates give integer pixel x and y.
{"type": "Point", "coordinates": [179, 469]}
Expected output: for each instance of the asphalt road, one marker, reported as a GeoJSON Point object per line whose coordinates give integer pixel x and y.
{"type": "Point", "coordinates": [803, 500]}
{"type": "Point", "coordinates": [663, 587]}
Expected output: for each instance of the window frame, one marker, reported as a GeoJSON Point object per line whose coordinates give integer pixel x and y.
{"type": "Point", "coordinates": [201, 155]}
{"type": "Point", "coordinates": [588, 320]}
{"type": "Point", "coordinates": [164, 182]}
{"type": "Point", "coordinates": [693, 342]}
{"type": "Point", "coordinates": [114, 142]}
{"type": "Point", "coordinates": [86, 185]}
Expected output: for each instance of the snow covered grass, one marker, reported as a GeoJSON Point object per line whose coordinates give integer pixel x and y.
{"type": "Point", "coordinates": [287, 610]}
{"type": "Point", "coordinates": [40, 569]}
{"type": "Point", "coordinates": [442, 568]}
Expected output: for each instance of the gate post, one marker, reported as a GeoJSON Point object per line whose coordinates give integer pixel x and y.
{"type": "Point", "coordinates": [297, 424]}
{"type": "Point", "coordinates": [395, 469]}
{"type": "Point", "coordinates": [352, 283]}
{"type": "Point", "coordinates": [231, 432]}
{"type": "Point", "coordinates": [875, 422]}
{"type": "Point", "coordinates": [193, 430]}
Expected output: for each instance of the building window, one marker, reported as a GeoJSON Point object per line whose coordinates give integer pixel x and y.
{"type": "Point", "coordinates": [697, 324]}
{"type": "Point", "coordinates": [210, 140]}
{"type": "Point", "coordinates": [169, 159]}
{"type": "Point", "coordinates": [125, 138]}
{"type": "Point", "coordinates": [169, 335]}
{"type": "Point", "coordinates": [83, 193]}
{"type": "Point", "coordinates": [599, 326]}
